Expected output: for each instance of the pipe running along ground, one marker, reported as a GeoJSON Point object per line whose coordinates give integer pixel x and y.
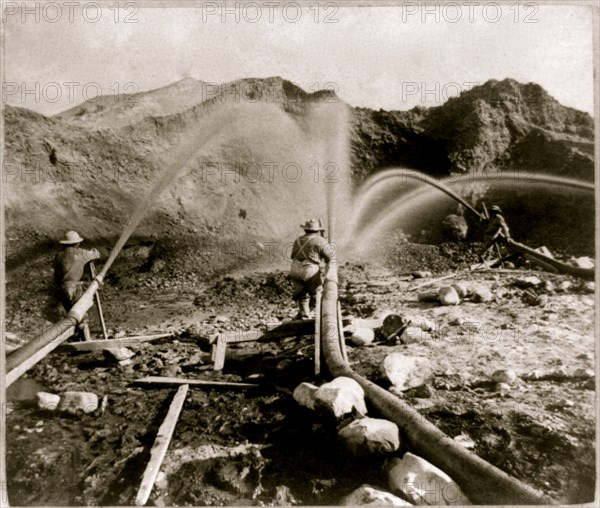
{"type": "Point", "coordinates": [22, 359]}
{"type": "Point", "coordinates": [482, 482]}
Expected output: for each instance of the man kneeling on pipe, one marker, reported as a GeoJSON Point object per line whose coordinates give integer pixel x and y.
{"type": "Point", "coordinates": [308, 253]}
{"type": "Point", "coordinates": [69, 266]}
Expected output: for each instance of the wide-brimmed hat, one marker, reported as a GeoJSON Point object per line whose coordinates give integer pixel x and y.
{"type": "Point", "coordinates": [495, 208]}
{"type": "Point", "coordinates": [71, 237]}
{"type": "Point", "coordinates": [312, 225]}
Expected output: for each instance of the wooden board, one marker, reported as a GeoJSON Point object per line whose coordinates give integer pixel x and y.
{"type": "Point", "coordinates": [279, 331]}
{"type": "Point", "coordinates": [99, 345]}
{"type": "Point", "coordinates": [160, 446]}
{"type": "Point", "coordinates": [286, 329]}
{"type": "Point", "coordinates": [193, 382]}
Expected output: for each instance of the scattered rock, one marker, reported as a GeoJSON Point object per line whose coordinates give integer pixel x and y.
{"type": "Point", "coordinates": [503, 388]}
{"type": "Point", "coordinates": [542, 300]}
{"type": "Point", "coordinates": [304, 394]}
{"type": "Point", "coordinates": [421, 392]}
{"type": "Point", "coordinates": [75, 402]}
{"type": "Point", "coordinates": [428, 296]}
{"type": "Point", "coordinates": [221, 319]}
{"type": "Point", "coordinates": [565, 285]}
{"type": "Point", "coordinates": [358, 323]}
{"type": "Point", "coordinates": [586, 356]}
{"type": "Point", "coordinates": [448, 296]}
{"type": "Point", "coordinates": [391, 324]}
{"type": "Point", "coordinates": [370, 436]}
{"type": "Point", "coordinates": [582, 262]}
{"type": "Point", "coordinates": [584, 373]}
{"type": "Point", "coordinates": [118, 354]}
{"type": "Point", "coordinates": [423, 323]}
{"type": "Point", "coordinates": [461, 288]}
{"type": "Point", "coordinates": [414, 335]}
{"type": "Point", "coordinates": [548, 287]}
{"type": "Point", "coordinates": [48, 401]}
{"type": "Point", "coordinates": [534, 375]}
{"type": "Point", "coordinates": [507, 376]}
{"type": "Point", "coordinates": [406, 372]}
{"type": "Point", "coordinates": [565, 403]}
{"type": "Point", "coordinates": [339, 397]}
{"type": "Point", "coordinates": [589, 287]}
{"type": "Point", "coordinates": [465, 441]}
{"type": "Point", "coordinates": [528, 282]}
{"type": "Point", "coordinates": [422, 482]}
{"type": "Point", "coordinates": [362, 337]}
{"type": "Point", "coordinates": [369, 495]}
{"type": "Point", "coordinates": [481, 294]}
{"type": "Point", "coordinates": [421, 274]}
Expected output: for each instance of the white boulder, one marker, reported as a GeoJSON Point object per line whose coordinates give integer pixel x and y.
{"type": "Point", "coordinates": [507, 376]}
{"type": "Point", "coordinates": [48, 401]}
{"type": "Point", "coordinates": [481, 294]}
{"type": "Point", "coordinates": [304, 394]}
{"type": "Point", "coordinates": [370, 436]}
{"type": "Point", "coordinates": [448, 296]}
{"type": "Point", "coordinates": [406, 372]}
{"type": "Point", "coordinates": [339, 397]}
{"type": "Point", "coordinates": [414, 335]}
{"type": "Point", "coordinates": [362, 337]}
{"type": "Point", "coordinates": [422, 482]}
{"type": "Point", "coordinates": [76, 402]}
{"type": "Point", "coordinates": [369, 495]}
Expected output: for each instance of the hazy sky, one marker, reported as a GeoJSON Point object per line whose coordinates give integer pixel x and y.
{"type": "Point", "coordinates": [394, 57]}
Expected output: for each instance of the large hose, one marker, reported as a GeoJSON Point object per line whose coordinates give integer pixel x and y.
{"type": "Point", "coordinates": [584, 273]}
{"type": "Point", "coordinates": [22, 359]}
{"type": "Point", "coordinates": [482, 482]}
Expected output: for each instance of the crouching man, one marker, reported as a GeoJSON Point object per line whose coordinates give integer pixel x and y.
{"type": "Point", "coordinates": [309, 252]}
{"type": "Point", "coordinates": [69, 266]}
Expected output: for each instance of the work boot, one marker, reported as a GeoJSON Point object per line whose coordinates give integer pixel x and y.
{"type": "Point", "coordinates": [84, 332]}
{"type": "Point", "coordinates": [303, 310]}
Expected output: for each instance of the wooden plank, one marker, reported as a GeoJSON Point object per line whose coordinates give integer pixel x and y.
{"type": "Point", "coordinates": [160, 446]}
{"type": "Point", "coordinates": [220, 353]}
{"type": "Point", "coordinates": [19, 370]}
{"type": "Point", "coordinates": [193, 382]}
{"type": "Point", "coordinates": [318, 334]}
{"type": "Point", "coordinates": [99, 345]}
{"type": "Point", "coordinates": [280, 331]}
{"type": "Point", "coordinates": [433, 281]}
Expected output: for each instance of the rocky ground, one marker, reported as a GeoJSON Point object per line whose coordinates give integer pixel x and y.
{"type": "Point", "coordinates": [258, 446]}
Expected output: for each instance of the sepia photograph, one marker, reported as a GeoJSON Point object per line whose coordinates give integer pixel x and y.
{"type": "Point", "coordinates": [299, 253]}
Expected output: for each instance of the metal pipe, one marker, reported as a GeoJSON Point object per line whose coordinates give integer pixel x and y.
{"type": "Point", "coordinates": [22, 359]}
{"type": "Point", "coordinates": [482, 482]}
{"type": "Point", "coordinates": [584, 273]}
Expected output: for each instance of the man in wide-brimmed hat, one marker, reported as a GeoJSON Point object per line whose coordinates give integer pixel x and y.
{"type": "Point", "coordinates": [308, 253]}
{"type": "Point", "coordinates": [497, 229]}
{"type": "Point", "coordinates": [69, 266]}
